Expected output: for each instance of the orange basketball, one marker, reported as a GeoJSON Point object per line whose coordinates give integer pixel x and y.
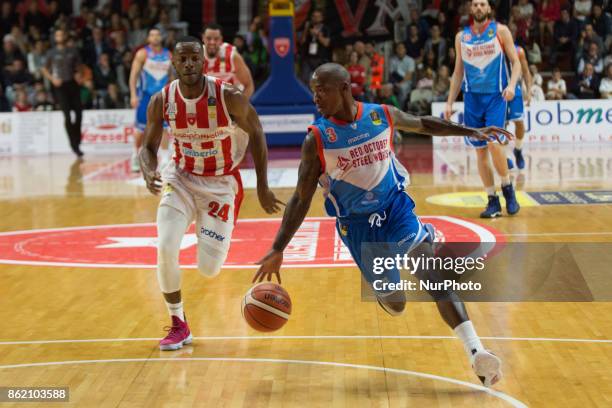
{"type": "Point", "coordinates": [266, 307]}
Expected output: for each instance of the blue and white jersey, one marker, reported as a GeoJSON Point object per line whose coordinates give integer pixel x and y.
{"type": "Point", "coordinates": [485, 69]}
{"type": "Point", "coordinates": [155, 72]}
{"type": "Point", "coordinates": [360, 172]}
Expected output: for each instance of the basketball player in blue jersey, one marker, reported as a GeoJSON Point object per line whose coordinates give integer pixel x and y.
{"type": "Point", "coordinates": [150, 72]}
{"type": "Point", "coordinates": [349, 150]}
{"type": "Point", "coordinates": [516, 109]}
{"type": "Point", "coordinates": [482, 74]}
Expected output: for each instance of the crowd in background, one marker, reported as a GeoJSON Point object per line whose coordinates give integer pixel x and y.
{"type": "Point", "coordinates": [567, 42]}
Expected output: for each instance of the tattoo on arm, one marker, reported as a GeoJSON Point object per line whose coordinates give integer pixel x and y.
{"type": "Point", "coordinates": [297, 207]}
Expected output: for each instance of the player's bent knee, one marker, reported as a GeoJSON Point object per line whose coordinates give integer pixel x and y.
{"type": "Point", "coordinates": [210, 262]}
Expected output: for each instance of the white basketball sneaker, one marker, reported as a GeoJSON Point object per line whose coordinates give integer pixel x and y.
{"type": "Point", "coordinates": [487, 367]}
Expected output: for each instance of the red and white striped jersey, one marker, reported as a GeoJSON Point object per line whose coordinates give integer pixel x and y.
{"type": "Point", "coordinates": [222, 66]}
{"type": "Point", "coordinates": [206, 140]}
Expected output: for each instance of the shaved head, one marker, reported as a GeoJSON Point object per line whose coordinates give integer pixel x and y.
{"type": "Point", "coordinates": [332, 73]}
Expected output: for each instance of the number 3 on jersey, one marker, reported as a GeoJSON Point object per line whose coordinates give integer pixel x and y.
{"type": "Point", "coordinates": [218, 211]}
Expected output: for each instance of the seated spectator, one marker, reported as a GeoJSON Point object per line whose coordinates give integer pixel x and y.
{"type": "Point", "coordinates": [117, 25]}
{"type": "Point", "coordinates": [549, 12]}
{"type": "Point", "coordinates": [401, 70]}
{"type": "Point", "coordinates": [98, 46]}
{"type": "Point", "coordinates": [104, 74]}
{"type": "Point", "coordinates": [8, 18]}
{"type": "Point", "coordinates": [445, 31]}
{"type": "Point", "coordinates": [42, 102]}
{"type": "Point", "coordinates": [137, 36]}
{"type": "Point", "coordinates": [592, 58]}
{"type": "Point", "coordinates": [422, 96]}
{"type": "Point", "coordinates": [36, 59]}
{"type": "Point", "coordinates": [441, 84]}
{"type": "Point", "coordinates": [605, 87]}
{"type": "Point", "coordinates": [17, 74]}
{"type": "Point", "coordinates": [535, 75]}
{"type": "Point", "coordinates": [556, 86]}
{"type": "Point", "coordinates": [358, 76]}
{"type": "Point", "coordinates": [385, 96]}
{"type": "Point", "coordinates": [377, 68]}
{"type": "Point", "coordinates": [450, 59]}
{"type": "Point", "coordinates": [601, 21]}
{"type": "Point", "coordinates": [112, 99]}
{"type": "Point", "coordinates": [164, 23]}
{"type": "Point", "coordinates": [525, 9]}
{"type": "Point", "coordinates": [430, 60]}
{"type": "Point", "coordinates": [588, 83]}
{"type": "Point", "coordinates": [437, 44]}
{"type": "Point", "coordinates": [582, 10]}
{"type": "Point", "coordinates": [5, 105]}
{"type": "Point", "coordinates": [10, 52]}
{"type": "Point", "coordinates": [21, 101]}
{"type": "Point", "coordinates": [565, 34]}
{"type": "Point", "coordinates": [414, 43]}
{"type": "Point", "coordinates": [533, 51]}
{"type": "Point", "coordinates": [522, 25]}
{"type": "Point", "coordinates": [34, 18]}
{"type": "Point", "coordinates": [587, 37]}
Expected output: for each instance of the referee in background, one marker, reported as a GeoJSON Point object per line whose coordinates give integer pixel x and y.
{"type": "Point", "coordinates": [60, 69]}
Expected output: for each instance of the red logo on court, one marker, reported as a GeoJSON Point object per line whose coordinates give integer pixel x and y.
{"type": "Point", "coordinates": [282, 46]}
{"type": "Point", "coordinates": [316, 244]}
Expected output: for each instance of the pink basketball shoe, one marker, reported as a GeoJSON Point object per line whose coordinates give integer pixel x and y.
{"type": "Point", "coordinates": [178, 335]}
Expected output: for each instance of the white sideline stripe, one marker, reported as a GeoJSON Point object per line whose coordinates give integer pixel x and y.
{"type": "Point", "coordinates": [546, 234]}
{"type": "Point", "coordinates": [510, 400]}
{"type": "Point", "coordinates": [250, 300]}
{"type": "Point", "coordinates": [330, 337]}
{"type": "Point", "coordinates": [103, 169]}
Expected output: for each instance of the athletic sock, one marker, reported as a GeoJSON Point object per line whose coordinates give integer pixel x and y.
{"type": "Point", "coordinates": [506, 180]}
{"type": "Point", "coordinates": [471, 342]}
{"type": "Point", "coordinates": [490, 190]}
{"type": "Point", "coordinates": [518, 144]}
{"type": "Point", "coordinates": [176, 309]}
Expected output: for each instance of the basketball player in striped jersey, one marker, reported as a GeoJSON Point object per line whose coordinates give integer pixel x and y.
{"type": "Point", "coordinates": [202, 183]}
{"type": "Point", "coordinates": [349, 150]}
{"type": "Point", "coordinates": [223, 61]}
{"type": "Point", "coordinates": [149, 73]}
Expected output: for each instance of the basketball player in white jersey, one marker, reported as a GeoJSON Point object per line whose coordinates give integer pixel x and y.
{"type": "Point", "coordinates": [202, 182]}
{"type": "Point", "coordinates": [223, 61]}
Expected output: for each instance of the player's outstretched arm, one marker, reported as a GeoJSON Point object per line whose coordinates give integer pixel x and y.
{"type": "Point", "coordinates": [297, 207]}
{"type": "Point", "coordinates": [152, 138]}
{"type": "Point", "coordinates": [430, 125]}
{"type": "Point", "coordinates": [243, 113]}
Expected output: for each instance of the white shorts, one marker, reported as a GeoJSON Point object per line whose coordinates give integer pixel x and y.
{"type": "Point", "coordinates": [212, 201]}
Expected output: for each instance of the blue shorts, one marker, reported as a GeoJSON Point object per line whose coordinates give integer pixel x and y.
{"type": "Point", "coordinates": [388, 232]}
{"type": "Point", "coordinates": [141, 113]}
{"type": "Point", "coordinates": [482, 110]}
{"type": "Point", "coordinates": [516, 107]}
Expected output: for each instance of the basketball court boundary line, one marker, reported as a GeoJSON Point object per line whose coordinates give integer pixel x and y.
{"type": "Point", "coordinates": [497, 394]}
{"type": "Point", "coordinates": [322, 337]}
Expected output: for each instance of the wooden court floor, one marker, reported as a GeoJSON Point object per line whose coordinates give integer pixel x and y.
{"type": "Point", "coordinates": [95, 330]}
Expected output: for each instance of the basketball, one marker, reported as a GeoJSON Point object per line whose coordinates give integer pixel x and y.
{"type": "Point", "coordinates": [266, 307]}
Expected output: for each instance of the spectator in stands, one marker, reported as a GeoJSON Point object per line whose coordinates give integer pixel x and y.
{"type": "Point", "coordinates": [5, 105]}
{"type": "Point", "coordinates": [592, 58]}
{"type": "Point", "coordinates": [587, 37]}
{"type": "Point", "coordinates": [96, 48]}
{"type": "Point", "coordinates": [525, 9]}
{"type": "Point", "coordinates": [549, 12]}
{"type": "Point", "coordinates": [364, 60]}
{"type": "Point", "coordinates": [34, 18]}
{"type": "Point", "coordinates": [315, 45]}
{"type": "Point", "coordinates": [601, 21]}
{"type": "Point", "coordinates": [401, 70]}
{"type": "Point", "coordinates": [437, 44]}
{"type": "Point", "coordinates": [420, 22]}
{"type": "Point", "coordinates": [430, 61]}
{"type": "Point", "coordinates": [441, 84]}
{"type": "Point", "coordinates": [21, 101]}
{"type": "Point", "coordinates": [112, 99]}
{"type": "Point", "coordinates": [117, 25]}
{"type": "Point", "coordinates": [386, 96]}
{"type": "Point", "coordinates": [414, 43]}
{"type": "Point", "coordinates": [537, 93]}
{"type": "Point", "coordinates": [535, 75]}
{"type": "Point", "coordinates": [17, 74]}
{"type": "Point", "coordinates": [422, 96]}
{"type": "Point", "coordinates": [523, 24]}
{"type": "Point", "coordinates": [42, 102]}
{"type": "Point", "coordinates": [8, 17]}
{"type": "Point", "coordinates": [257, 46]}
{"type": "Point", "coordinates": [565, 34]}
{"type": "Point", "coordinates": [123, 72]}
{"type": "Point", "coordinates": [164, 24]}
{"type": "Point", "coordinates": [450, 59]}
{"type": "Point", "coordinates": [377, 70]}
{"type": "Point", "coordinates": [445, 31]}
{"type": "Point", "coordinates": [534, 53]}
{"type": "Point", "coordinates": [582, 10]}
{"type": "Point", "coordinates": [138, 34]}
{"type": "Point", "coordinates": [151, 13]}
{"type": "Point", "coordinates": [9, 52]}
{"type": "Point", "coordinates": [358, 76]}
{"type": "Point", "coordinates": [588, 83]}
{"type": "Point", "coordinates": [605, 87]}
{"type": "Point", "coordinates": [104, 74]}
{"type": "Point", "coordinates": [608, 59]}
{"type": "Point", "coordinates": [556, 86]}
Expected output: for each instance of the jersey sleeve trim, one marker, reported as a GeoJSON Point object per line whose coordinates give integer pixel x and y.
{"type": "Point", "coordinates": [317, 135]}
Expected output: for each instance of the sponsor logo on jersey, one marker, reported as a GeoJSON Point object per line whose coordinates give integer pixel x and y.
{"type": "Point", "coordinates": [212, 234]}
{"type": "Point", "coordinates": [171, 110]}
{"type": "Point", "coordinates": [358, 138]}
{"type": "Point", "coordinates": [282, 46]}
{"type": "Point", "coordinates": [343, 163]}
{"type": "Point", "coordinates": [331, 135]}
{"type": "Point", "coordinates": [490, 33]}
{"type": "Point", "coordinates": [212, 101]}
{"type": "Point", "coordinates": [191, 118]}
{"type": "Point", "coordinates": [375, 118]}
{"type": "Point", "coordinates": [467, 37]}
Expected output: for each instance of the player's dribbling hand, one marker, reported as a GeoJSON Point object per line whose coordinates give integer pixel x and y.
{"type": "Point", "coordinates": [153, 180]}
{"type": "Point", "coordinates": [485, 132]}
{"type": "Point", "coordinates": [268, 200]}
{"type": "Point", "coordinates": [508, 94]}
{"type": "Point", "coordinates": [269, 265]}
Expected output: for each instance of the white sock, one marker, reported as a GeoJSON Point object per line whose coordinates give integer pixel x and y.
{"type": "Point", "coordinates": [518, 144]}
{"type": "Point", "coordinates": [506, 180]}
{"type": "Point", "coordinates": [176, 309]}
{"type": "Point", "coordinates": [471, 342]}
{"type": "Point", "coordinates": [490, 190]}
